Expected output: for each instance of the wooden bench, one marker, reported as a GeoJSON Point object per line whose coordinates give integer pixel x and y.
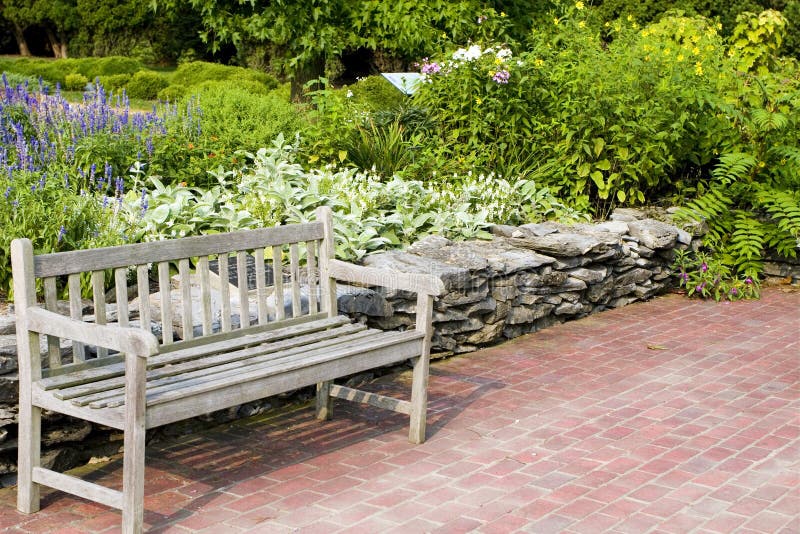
{"type": "Point", "coordinates": [121, 375]}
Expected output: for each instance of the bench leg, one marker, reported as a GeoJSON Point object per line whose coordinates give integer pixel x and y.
{"type": "Point", "coordinates": [324, 401]}
{"type": "Point", "coordinates": [419, 401]}
{"type": "Point", "coordinates": [133, 460]}
{"type": "Point", "coordinates": [419, 384]}
{"type": "Point", "coordinates": [30, 429]}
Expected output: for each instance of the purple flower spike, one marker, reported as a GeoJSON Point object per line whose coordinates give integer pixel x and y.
{"type": "Point", "coordinates": [704, 267]}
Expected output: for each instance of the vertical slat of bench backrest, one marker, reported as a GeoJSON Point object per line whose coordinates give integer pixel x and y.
{"type": "Point", "coordinates": [51, 303]}
{"type": "Point", "coordinates": [165, 287]}
{"type": "Point", "coordinates": [187, 324]}
{"type": "Point", "coordinates": [241, 282]}
{"type": "Point", "coordinates": [225, 292]}
{"type": "Point", "coordinates": [311, 261]}
{"type": "Point", "coordinates": [143, 292]}
{"type": "Point", "coordinates": [99, 302]}
{"type": "Point", "coordinates": [205, 294]}
{"type": "Point", "coordinates": [327, 285]}
{"type": "Point", "coordinates": [294, 274]}
{"type": "Point", "coordinates": [261, 286]}
{"type": "Point", "coordinates": [121, 291]}
{"type": "Point", "coordinates": [277, 269]}
{"type": "Point", "coordinates": [76, 312]}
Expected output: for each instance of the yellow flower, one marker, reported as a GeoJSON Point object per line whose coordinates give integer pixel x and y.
{"type": "Point", "coordinates": [539, 62]}
{"type": "Point", "coordinates": [667, 51]}
{"type": "Point", "coordinates": [679, 58]}
{"type": "Point", "coordinates": [579, 5]}
{"type": "Point", "coordinates": [497, 61]}
{"type": "Point", "coordinates": [696, 51]}
{"type": "Point", "coordinates": [503, 14]}
{"type": "Point", "coordinates": [647, 57]}
{"type": "Point", "coordinates": [582, 24]}
{"type": "Point", "coordinates": [630, 18]}
{"type": "Point", "coordinates": [478, 101]}
{"type": "Point", "coordinates": [698, 68]}
{"type": "Point", "coordinates": [555, 21]}
{"type": "Point", "coordinates": [635, 26]}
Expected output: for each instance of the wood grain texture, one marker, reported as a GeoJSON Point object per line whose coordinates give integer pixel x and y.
{"type": "Point", "coordinates": [205, 294]}
{"type": "Point", "coordinates": [121, 292]}
{"type": "Point", "coordinates": [99, 304]}
{"type": "Point", "coordinates": [187, 324]}
{"type": "Point", "coordinates": [76, 312]}
{"type": "Point", "coordinates": [277, 269]}
{"type": "Point", "coordinates": [51, 303]}
{"type": "Point", "coordinates": [78, 261]}
{"type": "Point", "coordinates": [261, 287]}
{"type": "Point", "coordinates": [241, 282]}
{"type": "Point", "coordinates": [373, 399]}
{"type": "Point", "coordinates": [165, 289]}
{"type": "Point", "coordinates": [370, 276]}
{"type": "Point", "coordinates": [143, 292]}
{"type": "Point", "coordinates": [225, 292]}
{"type": "Point", "coordinates": [76, 486]}
{"type": "Point", "coordinates": [127, 340]}
{"type": "Point", "coordinates": [30, 370]}
{"type": "Point", "coordinates": [294, 274]}
{"type": "Point", "coordinates": [327, 285]}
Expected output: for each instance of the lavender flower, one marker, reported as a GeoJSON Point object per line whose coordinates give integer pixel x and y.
{"type": "Point", "coordinates": [61, 233]}
{"type": "Point", "coordinates": [501, 76]}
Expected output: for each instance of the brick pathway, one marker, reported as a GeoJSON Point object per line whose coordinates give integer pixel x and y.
{"type": "Point", "coordinates": [668, 416]}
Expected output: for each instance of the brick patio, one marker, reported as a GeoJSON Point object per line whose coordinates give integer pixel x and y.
{"type": "Point", "coordinates": [669, 416]}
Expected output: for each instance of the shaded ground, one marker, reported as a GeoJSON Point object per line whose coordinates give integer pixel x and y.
{"type": "Point", "coordinates": [667, 416]}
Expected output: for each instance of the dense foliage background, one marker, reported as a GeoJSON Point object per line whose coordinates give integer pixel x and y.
{"type": "Point", "coordinates": [526, 111]}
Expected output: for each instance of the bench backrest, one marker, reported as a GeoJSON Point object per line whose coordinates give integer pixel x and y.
{"type": "Point", "coordinates": [288, 281]}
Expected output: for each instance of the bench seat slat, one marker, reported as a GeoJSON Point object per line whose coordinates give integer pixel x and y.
{"type": "Point", "coordinates": [243, 361]}
{"type": "Point", "coordinates": [210, 360]}
{"type": "Point", "coordinates": [270, 332]}
{"type": "Point", "coordinates": [382, 340]}
{"type": "Point", "coordinates": [258, 366]}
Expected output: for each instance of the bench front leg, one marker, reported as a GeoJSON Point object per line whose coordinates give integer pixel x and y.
{"type": "Point", "coordinates": [419, 384]}
{"type": "Point", "coordinates": [133, 461]}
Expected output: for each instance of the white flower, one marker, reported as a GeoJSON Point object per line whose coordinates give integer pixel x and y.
{"type": "Point", "coordinates": [349, 94]}
{"type": "Point", "coordinates": [504, 54]}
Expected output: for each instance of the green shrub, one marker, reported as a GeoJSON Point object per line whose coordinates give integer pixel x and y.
{"type": "Point", "coordinates": [376, 93]}
{"type": "Point", "coordinates": [172, 93]}
{"type": "Point", "coordinates": [56, 71]}
{"type": "Point", "coordinates": [146, 85]}
{"type": "Point", "coordinates": [240, 119]}
{"type": "Point", "coordinates": [75, 82]}
{"type": "Point", "coordinates": [108, 66]}
{"type": "Point", "coordinates": [250, 86]}
{"type": "Point", "coordinates": [197, 72]}
{"type": "Point", "coordinates": [114, 82]}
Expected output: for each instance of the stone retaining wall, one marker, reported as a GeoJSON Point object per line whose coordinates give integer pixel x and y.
{"type": "Point", "coordinates": [525, 279]}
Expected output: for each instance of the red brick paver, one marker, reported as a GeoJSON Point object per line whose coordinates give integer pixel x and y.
{"type": "Point", "coordinates": [667, 416]}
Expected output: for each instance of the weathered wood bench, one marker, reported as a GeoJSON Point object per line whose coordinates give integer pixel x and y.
{"type": "Point", "coordinates": [123, 376]}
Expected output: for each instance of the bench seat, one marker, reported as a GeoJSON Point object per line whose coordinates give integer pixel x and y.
{"type": "Point", "coordinates": [190, 378]}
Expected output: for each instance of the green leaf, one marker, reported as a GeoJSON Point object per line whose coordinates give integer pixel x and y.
{"type": "Point", "coordinates": [599, 143]}
{"type": "Point", "coordinates": [603, 164]}
{"type": "Point", "coordinates": [584, 169]}
{"type": "Point", "coordinates": [621, 195]}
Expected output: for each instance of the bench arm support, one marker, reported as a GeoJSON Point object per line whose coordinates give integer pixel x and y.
{"type": "Point", "coordinates": [425, 284]}
{"type": "Point", "coordinates": [126, 340]}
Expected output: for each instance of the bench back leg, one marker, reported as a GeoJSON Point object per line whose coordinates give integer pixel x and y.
{"type": "Point", "coordinates": [30, 369]}
{"type": "Point", "coordinates": [419, 385]}
{"type": "Point", "coordinates": [324, 401]}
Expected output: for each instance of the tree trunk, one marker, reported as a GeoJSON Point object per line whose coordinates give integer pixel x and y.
{"type": "Point", "coordinates": [57, 43]}
{"type": "Point", "coordinates": [19, 35]}
{"type": "Point", "coordinates": [304, 73]}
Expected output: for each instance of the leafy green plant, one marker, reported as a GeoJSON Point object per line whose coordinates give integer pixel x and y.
{"type": "Point", "coordinates": [751, 199]}
{"type": "Point", "coordinates": [75, 82]}
{"type": "Point", "coordinates": [196, 72]}
{"type": "Point", "coordinates": [705, 276]}
{"type": "Point", "coordinates": [145, 85]}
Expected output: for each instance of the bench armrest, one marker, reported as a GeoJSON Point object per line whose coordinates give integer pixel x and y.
{"type": "Point", "coordinates": [126, 340]}
{"type": "Point", "coordinates": [426, 284]}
